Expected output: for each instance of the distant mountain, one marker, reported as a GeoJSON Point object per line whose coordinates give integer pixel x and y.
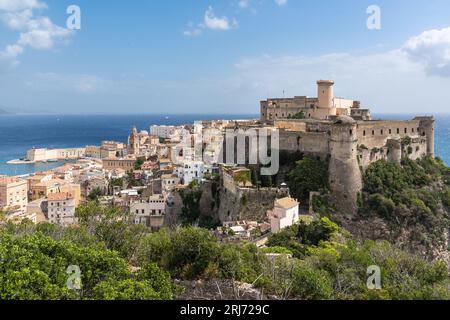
{"type": "Point", "coordinates": [4, 110]}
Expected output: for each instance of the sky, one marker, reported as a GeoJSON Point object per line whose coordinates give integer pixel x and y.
{"type": "Point", "coordinates": [223, 56]}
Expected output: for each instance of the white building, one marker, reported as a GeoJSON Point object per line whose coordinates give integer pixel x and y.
{"type": "Point", "coordinates": [284, 214]}
{"type": "Point", "coordinates": [150, 213]}
{"type": "Point", "coordinates": [169, 182]}
{"type": "Point", "coordinates": [61, 208]}
{"type": "Point", "coordinates": [190, 171]}
{"type": "Point", "coordinates": [162, 131]}
{"type": "Point", "coordinates": [42, 155]}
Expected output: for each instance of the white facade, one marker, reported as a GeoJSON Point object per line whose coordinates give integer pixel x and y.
{"type": "Point", "coordinates": [40, 155]}
{"type": "Point", "coordinates": [151, 212]}
{"type": "Point", "coordinates": [285, 214]}
{"type": "Point", "coordinates": [61, 209]}
{"type": "Point", "coordinates": [162, 131]}
{"type": "Point", "coordinates": [190, 171]}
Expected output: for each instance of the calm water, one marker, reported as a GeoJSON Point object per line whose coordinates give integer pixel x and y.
{"type": "Point", "coordinates": [18, 133]}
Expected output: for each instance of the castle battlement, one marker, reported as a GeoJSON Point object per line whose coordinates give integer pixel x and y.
{"type": "Point", "coordinates": [341, 131]}
{"type": "Point", "coordinates": [323, 107]}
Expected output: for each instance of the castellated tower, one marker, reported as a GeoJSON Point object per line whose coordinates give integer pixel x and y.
{"type": "Point", "coordinates": [426, 128]}
{"type": "Point", "coordinates": [345, 174]}
{"type": "Point", "coordinates": [395, 150]}
{"type": "Point", "coordinates": [325, 94]}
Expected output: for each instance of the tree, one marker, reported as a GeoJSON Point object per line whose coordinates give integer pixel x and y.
{"type": "Point", "coordinates": [95, 194]}
{"type": "Point", "coordinates": [36, 267]}
{"type": "Point", "coordinates": [191, 203]}
{"type": "Point", "coordinates": [129, 289]}
{"type": "Point", "coordinates": [113, 227]}
{"type": "Point", "coordinates": [310, 174]}
{"type": "Point", "coordinates": [311, 284]}
{"type": "Point", "coordinates": [184, 252]}
{"type": "Point", "coordinates": [138, 164]}
{"type": "Point", "coordinates": [300, 115]}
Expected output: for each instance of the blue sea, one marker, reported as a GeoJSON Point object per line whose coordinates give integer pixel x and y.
{"type": "Point", "coordinates": [19, 133]}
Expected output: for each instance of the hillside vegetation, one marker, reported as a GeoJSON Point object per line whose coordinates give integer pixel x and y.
{"type": "Point", "coordinates": [406, 204]}
{"type": "Point", "coordinates": [118, 260]}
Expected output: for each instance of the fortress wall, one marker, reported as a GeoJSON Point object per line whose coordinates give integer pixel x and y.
{"type": "Point", "coordinates": [419, 149]}
{"type": "Point", "coordinates": [306, 142]}
{"type": "Point", "coordinates": [375, 134]}
{"type": "Point", "coordinates": [317, 126]}
{"type": "Point", "coordinates": [290, 125]}
{"type": "Point", "coordinates": [393, 151]}
{"type": "Point", "coordinates": [340, 103]}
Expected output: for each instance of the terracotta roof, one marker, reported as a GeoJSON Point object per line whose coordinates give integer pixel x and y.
{"type": "Point", "coordinates": [169, 176]}
{"type": "Point", "coordinates": [8, 180]}
{"type": "Point", "coordinates": [286, 203]}
{"type": "Point", "coordinates": [60, 196]}
{"type": "Point", "coordinates": [50, 183]}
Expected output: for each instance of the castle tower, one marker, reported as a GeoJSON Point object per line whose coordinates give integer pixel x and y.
{"type": "Point", "coordinates": [427, 129]}
{"type": "Point", "coordinates": [325, 94]}
{"type": "Point", "coordinates": [133, 142]}
{"type": "Point", "coordinates": [395, 150]}
{"type": "Point", "coordinates": [345, 174]}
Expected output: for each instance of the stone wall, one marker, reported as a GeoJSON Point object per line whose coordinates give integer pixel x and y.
{"type": "Point", "coordinates": [374, 134]}
{"type": "Point", "coordinates": [248, 204]}
{"type": "Point", "coordinates": [315, 143]}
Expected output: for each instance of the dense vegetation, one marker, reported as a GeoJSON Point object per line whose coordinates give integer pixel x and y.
{"type": "Point", "coordinates": [118, 260]}
{"type": "Point", "coordinates": [319, 260]}
{"type": "Point", "coordinates": [309, 174]}
{"type": "Point", "coordinates": [332, 265]}
{"type": "Point", "coordinates": [412, 196]}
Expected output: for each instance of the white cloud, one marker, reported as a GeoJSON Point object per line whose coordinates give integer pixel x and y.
{"type": "Point", "coordinates": [211, 22]}
{"type": "Point", "coordinates": [34, 32]}
{"type": "Point", "coordinates": [42, 33]}
{"type": "Point", "coordinates": [217, 23]}
{"type": "Point", "coordinates": [244, 3]}
{"type": "Point", "coordinates": [195, 32]}
{"type": "Point", "coordinates": [281, 2]}
{"type": "Point", "coordinates": [432, 49]}
{"type": "Point", "coordinates": [19, 5]}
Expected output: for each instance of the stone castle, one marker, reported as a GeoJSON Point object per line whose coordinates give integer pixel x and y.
{"type": "Point", "coordinates": [342, 132]}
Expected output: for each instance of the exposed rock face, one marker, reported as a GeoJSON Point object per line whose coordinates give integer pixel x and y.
{"type": "Point", "coordinates": [247, 204]}
{"type": "Point", "coordinates": [376, 228]}
{"type": "Point", "coordinates": [222, 205]}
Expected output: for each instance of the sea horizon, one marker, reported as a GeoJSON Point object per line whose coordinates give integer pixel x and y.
{"type": "Point", "coordinates": [21, 132]}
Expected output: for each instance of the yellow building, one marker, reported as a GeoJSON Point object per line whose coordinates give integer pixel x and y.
{"type": "Point", "coordinates": [73, 189]}
{"type": "Point", "coordinates": [13, 193]}
{"type": "Point", "coordinates": [46, 188]}
{"type": "Point", "coordinates": [43, 189]}
{"type": "Point", "coordinates": [126, 164]}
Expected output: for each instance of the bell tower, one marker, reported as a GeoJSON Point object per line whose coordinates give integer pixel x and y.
{"type": "Point", "coordinates": [133, 142]}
